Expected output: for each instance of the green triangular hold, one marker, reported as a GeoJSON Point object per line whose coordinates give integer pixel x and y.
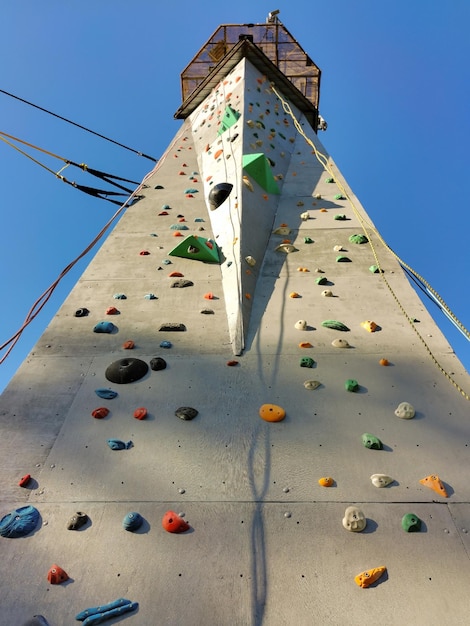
{"type": "Point", "coordinates": [230, 118]}
{"type": "Point", "coordinates": [258, 167]}
{"type": "Point", "coordinates": [197, 248]}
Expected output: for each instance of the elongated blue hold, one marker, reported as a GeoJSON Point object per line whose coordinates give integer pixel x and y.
{"type": "Point", "coordinates": [102, 617]}
{"type": "Point", "coordinates": [117, 444]}
{"type": "Point", "coordinates": [107, 394]}
{"type": "Point", "coordinates": [102, 609]}
{"type": "Point", "coordinates": [19, 522]}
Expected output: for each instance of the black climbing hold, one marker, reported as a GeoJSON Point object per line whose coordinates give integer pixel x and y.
{"type": "Point", "coordinates": [19, 522]}
{"type": "Point", "coordinates": [157, 364]}
{"type": "Point", "coordinates": [126, 370]}
{"type": "Point", "coordinates": [182, 282]}
{"type": "Point", "coordinates": [186, 413]}
{"type": "Point", "coordinates": [207, 312]}
{"type": "Point", "coordinates": [81, 312]}
{"type": "Point", "coordinates": [218, 194]}
{"type": "Point", "coordinates": [132, 521]}
{"type": "Point", "coordinates": [77, 520]}
{"type": "Point", "coordinates": [172, 327]}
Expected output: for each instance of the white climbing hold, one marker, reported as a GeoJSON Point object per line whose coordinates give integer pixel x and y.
{"type": "Point", "coordinates": [340, 343]}
{"type": "Point", "coordinates": [301, 325]}
{"type": "Point", "coordinates": [250, 260]}
{"type": "Point", "coordinates": [305, 216]}
{"type": "Point", "coordinates": [312, 384]}
{"type": "Point", "coordinates": [381, 480]}
{"type": "Point", "coordinates": [405, 411]}
{"type": "Point", "coordinates": [338, 249]}
{"type": "Point", "coordinates": [327, 293]}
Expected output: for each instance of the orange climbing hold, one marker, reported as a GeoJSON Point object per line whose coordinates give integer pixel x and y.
{"type": "Point", "coordinates": [57, 575]}
{"type": "Point", "coordinates": [209, 296]}
{"type": "Point", "coordinates": [140, 413]}
{"type": "Point", "coordinates": [294, 294]}
{"type": "Point", "coordinates": [323, 210]}
{"type": "Point", "coordinates": [100, 413]}
{"type": "Point", "coordinates": [177, 234]}
{"type": "Point", "coordinates": [176, 275]}
{"type": "Point", "coordinates": [174, 523]}
{"type": "Point", "coordinates": [364, 579]}
{"type": "Point", "coordinates": [218, 154]}
{"type": "Point", "coordinates": [326, 481]}
{"type": "Point", "coordinates": [128, 345]}
{"type": "Point", "coordinates": [369, 325]}
{"type": "Point", "coordinates": [272, 413]}
{"type": "Point", "coordinates": [384, 362]}
{"type": "Point", "coordinates": [434, 482]}
{"type": "Point", "coordinates": [305, 344]}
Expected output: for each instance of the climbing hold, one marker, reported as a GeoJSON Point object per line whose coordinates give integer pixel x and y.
{"type": "Point", "coordinates": [294, 294]}
{"type": "Point", "coordinates": [259, 167]}
{"type": "Point", "coordinates": [286, 247]}
{"type": "Point", "coordinates": [186, 413]}
{"type": "Point", "coordinates": [312, 384]}
{"type": "Point", "coordinates": [218, 194]}
{"type": "Point", "coordinates": [24, 480]}
{"type": "Point", "coordinates": [340, 343]}
{"type": "Point", "coordinates": [375, 269]}
{"type": "Point", "coordinates": [111, 310]}
{"type": "Point", "coordinates": [163, 213]}
{"type": "Point", "coordinates": [411, 523]}
{"type": "Point", "coordinates": [117, 444]}
{"type": "Point", "coordinates": [340, 217]}
{"type": "Point", "coordinates": [207, 312]}
{"type": "Point", "coordinates": [405, 411]}
{"type": "Point", "coordinates": [209, 296]}
{"type": "Point", "coordinates": [157, 364]}
{"type": "Point", "coordinates": [335, 325]}
{"type": "Point", "coordinates": [308, 240]}
{"type": "Point", "coordinates": [272, 413]}
{"type": "Point", "coordinates": [77, 520]}
{"type": "Point", "coordinates": [370, 576]}
{"type": "Point", "coordinates": [132, 521]}
{"type": "Point", "coordinates": [371, 441]}
{"type": "Point", "coordinates": [126, 370]}
{"type": "Point", "coordinates": [104, 327]}
{"type": "Point", "coordinates": [354, 519]}
{"type": "Point", "coordinates": [19, 522]}
{"type": "Point", "coordinates": [358, 239]}
{"type": "Point", "coordinates": [321, 280]}
{"type": "Point", "coordinates": [56, 575]}
{"type": "Point", "coordinates": [369, 325]}
{"type": "Point", "coordinates": [381, 480]}
{"type": "Point", "coordinates": [96, 615]}
{"type": "Point", "coordinates": [232, 363]}
{"type": "Point", "coordinates": [327, 293]}
{"type": "Point", "coordinates": [36, 620]}
{"type": "Point", "coordinates": [128, 345]}
{"type": "Point", "coordinates": [181, 283]}
{"type": "Point", "coordinates": [83, 312]}
{"type": "Point", "coordinates": [100, 413]}
{"type": "Point", "coordinates": [172, 327]}
{"type": "Point", "coordinates": [106, 394]}
{"type": "Point", "coordinates": [307, 361]}
{"type": "Point", "coordinates": [144, 253]}
{"type": "Point", "coordinates": [305, 344]}
{"type": "Point", "coordinates": [191, 190]}
{"type": "Point", "coordinates": [165, 344]}
{"type": "Point", "coordinates": [343, 259]}
{"type": "Point", "coordinates": [338, 249]}
{"type": "Point", "coordinates": [305, 216]}
{"type": "Point", "coordinates": [198, 249]}
{"type": "Point", "coordinates": [140, 413]}
{"type": "Point", "coordinates": [351, 385]}
{"type": "Point", "coordinates": [250, 260]}
{"type": "Point", "coordinates": [326, 481]}
{"type": "Point", "coordinates": [303, 269]}
{"type": "Point", "coordinates": [150, 296]}
{"type": "Point", "coordinates": [166, 262]}
{"type": "Point", "coordinates": [329, 180]}
{"type": "Point", "coordinates": [339, 196]}
{"type": "Point", "coordinates": [174, 523]}
{"type": "Point", "coordinates": [247, 183]}
{"type": "Point", "coordinates": [283, 230]}
{"type": "Point", "coordinates": [384, 362]}
{"type": "Point", "coordinates": [178, 227]}
{"type": "Point", "coordinates": [120, 296]}
{"type": "Point", "coordinates": [175, 275]}
{"type": "Point", "coordinates": [434, 482]}
{"type": "Point", "coordinates": [301, 325]}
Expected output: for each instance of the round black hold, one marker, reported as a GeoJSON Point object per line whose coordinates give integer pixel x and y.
{"type": "Point", "coordinates": [218, 194]}
{"type": "Point", "coordinates": [81, 312]}
{"type": "Point", "coordinates": [186, 413]}
{"type": "Point", "coordinates": [158, 363]}
{"type": "Point", "coordinates": [126, 370]}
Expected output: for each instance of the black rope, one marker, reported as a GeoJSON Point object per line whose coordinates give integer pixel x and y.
{"type": "Point", "coordinates": [146, 156]}
{"type": "Point", "coordinates": [109, 178]}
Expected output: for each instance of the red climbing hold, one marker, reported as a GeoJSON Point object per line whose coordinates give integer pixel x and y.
{"type": "Point", "coordinates": [177, 234]}
{"type": "Point", "coordinates": [100, 413]}
{"type": "Point", "coordinates": [25, 480]}
{"type": "Point", "coordinates": [128, 345]}
{"type": "Point", "coordinates": [163, 213]}
{"type": "Point", "coordinates": [144, 252]}
{"type": "Point", "coordinates": [57, 575]}
{"type": "Point", "coordinates": [232, 363]}
{"type": "Point", "coordinates": [176, 275]}
{"type": "Point", "coordinates": [111, 310]}
{"type": "Point", "coordinates": [140, 414]}
{"type": "Point", "coordinates": [181, 219]}
{"type": "Point", "coordinates": [209, 296]}
{"type": "Point", "coordinates": [173, 523]}
{"type": "Point", "coordinates": [189, 195]}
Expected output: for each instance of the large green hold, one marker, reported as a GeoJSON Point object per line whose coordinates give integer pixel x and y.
{"type": "Point", "coordinates": [335, 325]}
{"type": "Point", "coordinates": [258, 167]}
{"type": "Point", "coordinates": [230, 118]}
{"type": "Point", "coordinates": [197, 248]}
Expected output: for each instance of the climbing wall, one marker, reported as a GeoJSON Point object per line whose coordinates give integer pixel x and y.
{"type": "Point", "coordinates": [244, 357]}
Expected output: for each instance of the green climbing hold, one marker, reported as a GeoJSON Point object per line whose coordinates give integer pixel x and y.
{"type": "Point", "coordinates": [230, 118]}
{"type": "Point", "coordinates": [258, 167]}
{"type": "Point", "coordinates": [307, 361]}
{"type": "Point", "coordinates": [197, 248]}
{"type": "Point", "coordinates": [343, 259]}
{"type": "Point", "coordinates": [335, 325]}
{"type": "Point", "coordinates": [411, 523]}
{"type": "Point", "coordinates": [339, 196]}
{"type": "Point", "coordinates": [358, 239]}
{"type": "Point", "coordinates": [308, 240]}
{"type": "Point", "coordinates": [321, 280]}
{"type": "Point", "coordinates": [371, 442]}
{"type": "Point", "coordinates": [340, 216]}
{"type": "Point", "coordinates": [351, 385]}
{"type": "Point", "coordinates": [375, 269]}
{"type": "Point", "coordinates": [330, 180]}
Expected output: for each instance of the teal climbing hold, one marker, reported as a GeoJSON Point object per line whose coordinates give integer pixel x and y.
{"type": "Point", "coordinates": [132, 521]}
{"type": "Point", "coordinates": [104, 327]}
{"type": "Point", "coordinates": [120, 296]}
{"type": "Point", "coordinates": [117, 444]}
{"type": "Point", "coordinates": [191, 190]}
{"type": "Point", "coordinates": [150, 296]}
{"type": "Point", "coordinates": [165, 344]}
{"type": "Point", "coordinates": [96, 615]}
{"type": "Point", "coordinates": [19, 522]}
{"type": "Point", "coordinates": [358, 239]}
{"type": "Point", "coordinates": [107, 394]}
{"type": "Point", "coordinates": [179, 227]}
{"type": "Point", "coordinates": [371, 441]}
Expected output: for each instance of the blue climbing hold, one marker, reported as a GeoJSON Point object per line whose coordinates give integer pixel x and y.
{"type": "Point", "coordinates": [19, 522]}
{"type": "Point", "coordinates": [120, 296]}
{"type": "Point", "coordinates": [165, 344]}
{"type": "Point", "coordinates": [107, 394]}
{"type": "Point", "coordinates": [117, 444]}
{"type": "Point", "coordinates": [132, 521]}
{"type": "Point", "coordinates": [104, 327]}
{"type": "Point", "coordinates": [191, 190]}
{"type": "Point", "coordinates": [98, 614]}
{"type": "Point", "coordinates": [150, 296]}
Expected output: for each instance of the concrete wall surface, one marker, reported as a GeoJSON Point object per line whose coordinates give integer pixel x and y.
{"type": "Point", "coordinates": [266, 543]}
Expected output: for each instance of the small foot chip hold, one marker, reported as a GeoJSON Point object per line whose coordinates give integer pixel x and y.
{"type": "Point", "coordinates": [186, 413]}
{"type": "Point", "coordinates": [174, 523]}
{"type": "Point", "coordinates": [307, 361]}
{"type": "Point", "coordinates": [371, 441]}
{"type": "Point", "coordinates": [272, 413]}
{"type": "Point", "coordinates": [384, 362]}
{"type": "Point", "coordinates": [36, 620]}
{"type": "Point", "coordinates": [411, 523]}
{"type": "Point", "coordinates": [434, 482]}
{"type": "Point", "coordinates": [232, 363]}
{"type": "Point", "coordinates": [56, 575]}
{"type": "Point", "coordinates": [370, 576]}
{"type": "Point", "coordinates": [128, 345]}
{"type": "Point", "coordinates": [354, 519]}
{"type": "Point", "coordinates": [305, 344]}
{"type": "Point", "coordinates": [132, 521]}
{"type": "Point", "coordinates": [77, 520]}
{"type": "Point", "coordinates": [381, 480]}
{"type": "Point", "coordinates": [172, 327]}
{"type": "Point", "coordinates": [326, 481]}
{"type": "Point", "coordinates": [312, 384]}
{"type": "Point", "coordinates": [405, 411]}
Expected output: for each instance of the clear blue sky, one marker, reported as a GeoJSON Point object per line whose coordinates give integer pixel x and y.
{"type": "Point", "coordinates": [395, 90]}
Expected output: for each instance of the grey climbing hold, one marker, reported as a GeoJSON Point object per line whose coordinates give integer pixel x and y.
{"type": "Point", "coordinates": [181, 283]}
{"type": "Point", "coordinates": [77, 520]}
{"type": "Point", "coordinates": [157, 364]}
{"type": "Point", "coordinates": [117, 444]}
{"type": "Point", "coordinates": [19, 522]}
{"type": "Point", "coordinates": [107, 394]}
{"type": "Point", "coordinates": [126, 370]}
{"type": "Point", "coordinates": [104, 327]}
{"type": "Point", "coordinates": [172, 327]}
{"type": "Point", "coordinates": [83, 312]}
{"type": "Point", "coordinates": [186, 413]}
{"type": "Point", "coordinates": [132, 521]}
{"type": "Point", "coordinates": [166, 262]}
{"type": "Point", "coordinates": [36, 620]}
{"type": "Point", "coordinates": [218, 194]}
{"type": "Point", "coordinates": [312, 384]}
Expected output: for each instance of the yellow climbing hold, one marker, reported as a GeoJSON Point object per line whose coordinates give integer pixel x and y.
{"type": "Point", "coordinates": [272, 413]}
{"type": "Point", "coordinates": [434, 482]}
{"type": "Point", "coordinates": [369, 325]}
